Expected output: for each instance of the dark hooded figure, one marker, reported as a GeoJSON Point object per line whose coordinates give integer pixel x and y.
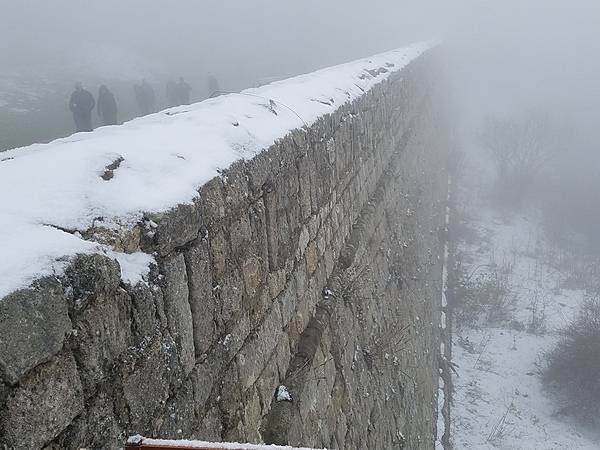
{"type": "Point", "coordinates": [107, 106]}
{"type": "Point", "coordinates": [213, 86]}
{"type": "Point", "coordinates": [139, 99]}
{"type": "Point", "coordinates": [81, 105]}
{"type": "Point", "coordinates": [149, 96]}
{"type": "Point", "coordinates": [172, 97]}
{"type": "Point", "coordinates": [183, 92]}
{"type": "Point", "coordinates": [145, 98]}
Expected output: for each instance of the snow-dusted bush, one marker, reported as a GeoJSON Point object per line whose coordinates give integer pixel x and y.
{"type": "Point", "coordinates": [483, 295]}
{"type": "Point", "coordinates": [573, 366]}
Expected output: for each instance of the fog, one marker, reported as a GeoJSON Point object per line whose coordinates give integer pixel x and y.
{"type": "Point", "coordinates": [502, 55]}
{"type": "Point", "coordinates": [504, 60]}
{"type": "Point", "coordinates": [508, 54]}
{"type": "Point", "coordinates": [239, 41]}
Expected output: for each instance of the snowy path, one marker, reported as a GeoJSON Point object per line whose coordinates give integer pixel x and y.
{"type": "Point", "coordinates": [499, 400]}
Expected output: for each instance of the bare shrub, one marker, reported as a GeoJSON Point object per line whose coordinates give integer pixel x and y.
{"type": "Point", "coordinates": [483, 295]}
{"type": "Point", "coordinates": [573, 366]}
{"type": "Point", "coordinates": [520, 147]}
{"type": "Point", "coordinates": [537, 320]}
{"type": "Point", "coordinates": [500, 429]}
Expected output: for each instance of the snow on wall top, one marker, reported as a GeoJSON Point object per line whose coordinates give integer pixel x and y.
{"type": "Point", "coordinates": [166, 156]}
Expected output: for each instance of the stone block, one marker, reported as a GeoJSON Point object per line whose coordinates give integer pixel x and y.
{"type": "Point", "coordinates": [211, 203]}
{"type": "Point", "coordinates": [282, 356]}
{"type": "Point", "coordinates": [262, 169]}
{"type": "Point", "coordinates": [44, 404]}
{"type": "Point", "coordinates": [253, 275]}
{"type": "Point", "coordinates": [287, 301]}
{"type": "Point", "coordinates": [146, 376]}
{"type": "Point", "coordinates": [234, 335]}
{"type": "Point", "coordinates": [101, 332]}
{"type": "Point", "coordinates": [277, 282]}
{"type": "Point", "coordinates": [304, 197]}
{"type": "Point", "coordinates": [312, 257]}
{"type": "Point", "coordinates": [97, 427]}
{"type": "Point", "coordinates": [229, 294]}
{"type": "Point", "coordinates": [303, 239]}
{"type": "Point", "coordinates": [89, 276]}
{"type": "Point", "coordinates": [247, 421]}
{"type": "Point", "coordinates": [177, 309]}
{"type": "Point", "coordinates": [240, 237]}
{"type": "Point", "coordinates": [4, 391]}
{"type": "Point", "coordinates": [33, 325]}
{"type": "Point", "coordinates": [173, 229]}
{"type": "Point", "coordinates": [328, 257]}
{"type": "Point", "coordinates": [219, 252]}
{"type": "Point", "coordinates": [314, 223]}
{"type": "Point", "coordinates": [258, 230]}
{"type": "Point", "coordinates": [210, 426]}
{"type": "Point", "coordinates": [321, 240]}
{"type": "Point", "coordinates": [253, 356]}
{"type": "Point", "coordinates": [179, 416]}
{"type": "Point", "coordinates": [204, 378]}
{"type": "Point", "coordinates": [236, 190]}
{"type": "Point", "coordinates": [147, 310]}
{"type": "Point", "coordinates": [278, 231]}
{"type": "Point", "coordinates": [201, 298]}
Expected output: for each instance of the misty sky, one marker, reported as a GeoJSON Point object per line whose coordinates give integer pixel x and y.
{"type": "Point", "coordinates": [256, 38]}
{"type": "Point", "coordinates": [502, 55]}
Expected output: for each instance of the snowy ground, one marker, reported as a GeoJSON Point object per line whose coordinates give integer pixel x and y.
{"type": "Point", "coordinates": [499, 399]}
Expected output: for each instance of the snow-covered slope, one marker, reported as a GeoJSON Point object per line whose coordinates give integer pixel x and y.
{"type": "Point", "coordinates": [499, 398]}
{"type": "Point", "coordinates": [165, 158]}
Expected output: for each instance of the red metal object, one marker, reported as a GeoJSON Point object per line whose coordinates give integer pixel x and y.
{"type": "Point", "coordinates": [141, 443]}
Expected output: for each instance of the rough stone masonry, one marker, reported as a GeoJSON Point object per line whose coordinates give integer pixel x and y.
{"type": "Point", "coordinates": [315, 266]}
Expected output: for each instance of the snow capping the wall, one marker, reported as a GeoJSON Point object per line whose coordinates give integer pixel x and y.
{"type": "Point", "coordinates": [52, 192]}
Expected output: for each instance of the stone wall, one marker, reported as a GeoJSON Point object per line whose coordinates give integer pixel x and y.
{"type": "Point", "coordinates": [315, 265]}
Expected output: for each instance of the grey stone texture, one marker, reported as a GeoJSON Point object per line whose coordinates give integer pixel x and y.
{"type": "Point", "coordinates": [33, 325]}
{"type": "Point", "coordinates": [45, 402]}
{"type": "Point", "coordinates": [315, 265]}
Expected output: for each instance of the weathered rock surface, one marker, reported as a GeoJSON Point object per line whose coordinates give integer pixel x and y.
{"type": "Point", "coordinates": [33, 325]}
{"type": "Point", "coordinates": [43, 404]}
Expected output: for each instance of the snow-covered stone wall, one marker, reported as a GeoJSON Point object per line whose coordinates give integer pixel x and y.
{"type": "Point", "coordinates": [293, 298]}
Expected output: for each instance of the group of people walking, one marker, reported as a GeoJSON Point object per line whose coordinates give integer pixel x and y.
{"type": "Point", "coordinates": [82, 102]}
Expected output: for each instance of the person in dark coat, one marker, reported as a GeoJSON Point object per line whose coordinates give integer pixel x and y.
{"type": "Point", "coordinates": [172, 96]}
{"type": "Point", "coordinates": [145, 98]}
{"type": "Point", "coordinates": [149, 97]}
{"type": "Point", "coordinates": [107, 106]}
{"type": "Point", "coordinates": [213, 86]}
{"type": "Point", "coordinates": [81, 105]}
{"type": "Point", "coordinates": [183, 92]}
{"type": "Point", "coordinates": [139, 99]}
